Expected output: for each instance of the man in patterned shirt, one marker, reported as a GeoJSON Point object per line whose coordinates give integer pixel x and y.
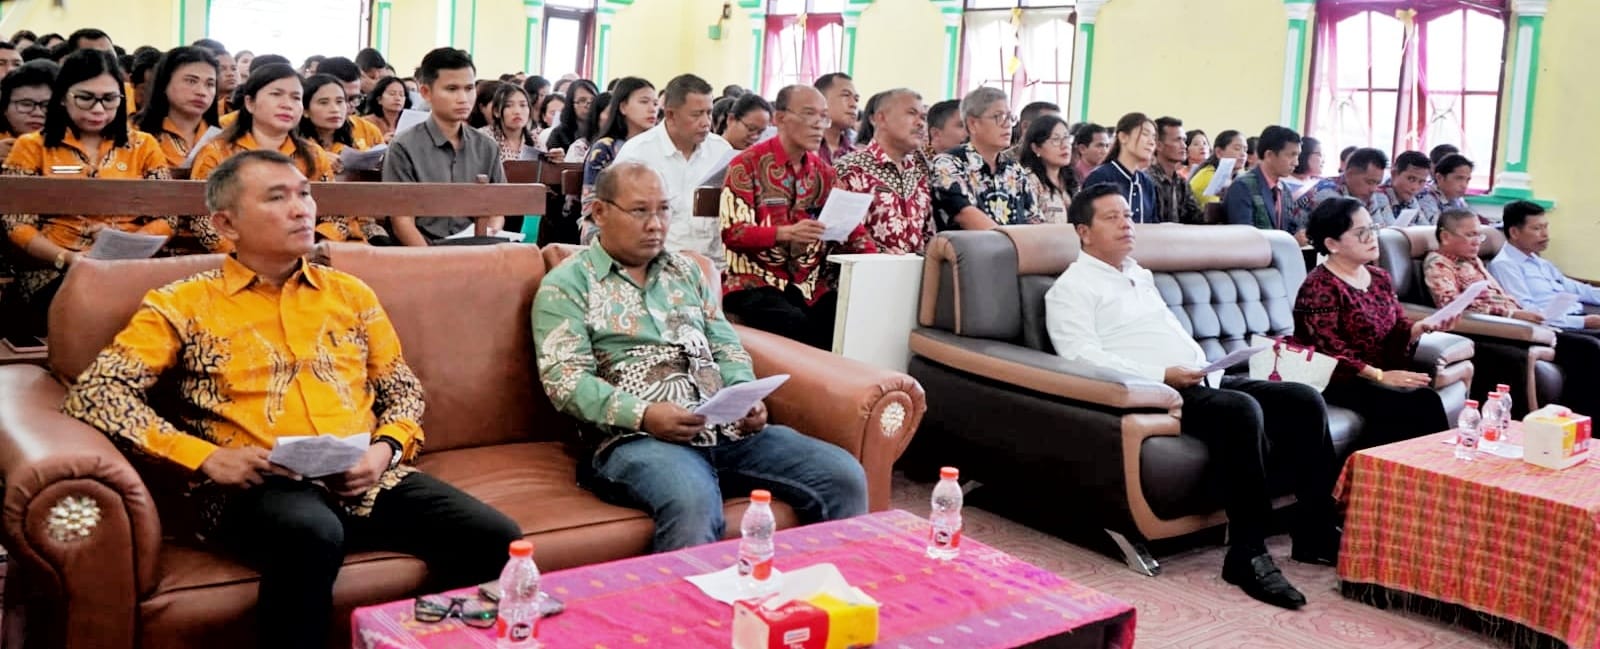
{"type": "Point", "coordinates": [900, 218]}
{"type": "Point", "coordinates": [1363, 173]}
{"type": "Point", "coordinates": [630, 340]}
{"type": "Point", "coordinates": [771, 198]}
{"type": "Point", "coordinates": [268, 346]}
{"type": "Point", "coordinates": [974, 187]}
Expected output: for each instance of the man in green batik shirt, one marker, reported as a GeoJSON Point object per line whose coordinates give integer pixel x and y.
{"type": "Point", "coordinates": [630, 340]}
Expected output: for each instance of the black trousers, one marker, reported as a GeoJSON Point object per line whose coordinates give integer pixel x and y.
{"type": "Point", "coordinates": [1239, 423]}
{"type": "Point", "coordinates": [1389, 414]}
{"type": "Point", "coordinates": [1578, 354]}
{"type": "Point", "coordinates": [297, 536]}
{"type": "Point", "coordinates": [786, 313]}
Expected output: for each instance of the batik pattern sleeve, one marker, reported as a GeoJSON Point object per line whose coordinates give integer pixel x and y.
{"type": "Point", "coordinates": [566, 357]}
{"type": "Point", "coordinates": [742, 230]}
{"type": "Point", "coordinates": [397, 399]}
{"type": "Point", "coordinates": [111, 394]}
{"type": "Point", "coordinates": [732, 359]}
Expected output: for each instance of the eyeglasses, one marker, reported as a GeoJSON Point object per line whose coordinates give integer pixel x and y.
{"type": "Point", "coordinates": [814, 121]}
{"type": "Point", "coordinates": [26, 106]}
{"type": "Point", "coordinates": [88, 102]}
{"type": "Point", "coordinates": [1003, 119]}
{"type": "Point", "coordinates": [1058, 141]}
{"type": "Point", "coordinates": [752, 128]}
{"type": "Point", "coordinates": [470, 610]}
{"type": "Point", "coordinates": [1364, 233]}
{"type": "Point", "coordinates": [1475, 236]}
{"type": "Point", "coordinates": [642, 213]}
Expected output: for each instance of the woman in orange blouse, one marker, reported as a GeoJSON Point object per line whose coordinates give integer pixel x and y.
{"type": "Point", "coordinates": [269, 119]}
{"type": "Point", "coordinates": [85, 135]}
{"type": "Point", "coordinates": [24, 100]}
{"type": "Point", "coordinates": [384, 104]}
{"type": "Point", "coordinates": [183, 102]}
{"type": "Point", "coordinates": [326, 119]}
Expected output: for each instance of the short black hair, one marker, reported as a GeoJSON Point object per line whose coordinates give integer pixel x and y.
{"type": "Point", "coordinates": [370, 59]}
{"type": "Point", "coordinates": [6, 45]}
{"type": "Point", "coordinates": [79, 67]}
{"type": "Point", "coordinates": [1084, 136]}
{"type": "Point", "coordinates": [441, 59]}
{"type": "Point", "coordinates": [748, 103]}
{"type": "Point", "coordinates": [24, 34]}
{"type": "Point", "coordinates": [222, 186]}
{"type": "Point", "coordinates": [1344, 154]}
{"type": "Point", "coordinates": [1309, 146]}
{"type": "Point", "coordinates": [340, 68]}
{"type": "Point", "coordinates": [1411, 160]}
{"type": "Point", "coordinates": [36, 52]}
{"type": "Point", "coordinates": [1274, 138]}
{"type": "Point", "coordinates": [1081, 210]}
{"type": "Point", "coordinates": [1516, 214]}
{"type": "Point", "coordinates": [826, 82]}
{"type": "Point", "coordinates": [1366, 158]}
{"type": "Point", "coordinates": [214, 45]}
{"type": "Point", "coordinates": [1439, 152]}
{"type": "Point", "coordinates": [1330, 220]}
{"type": "Point", "coordinates": [269, 59]}
{"type": "Point", "coordinates": [683, 85]}
{"type": "Point", "coordinates": [1450, 163]}
{"type": "Point", "coordinates": [940, 113]}
{"type": "Point", "coordinates": [87, 33]}
{"type": "Point", "coordinates": [1165, 122]}
{"type": "Point", "coordinates": [1448, 219]}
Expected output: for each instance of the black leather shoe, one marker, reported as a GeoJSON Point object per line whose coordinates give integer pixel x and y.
{"type": "Point", "coordinates": [1320, 548]}
{"type": "Point", "coordinates": [1260, 578]}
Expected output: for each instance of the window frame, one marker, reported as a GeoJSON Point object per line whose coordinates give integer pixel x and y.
{"type": "Point", "coordinates": [586, 37]}
{"type": "Point", "coordinates": [808, 43]}
{"type": "Point", "coordinates": [1063, 92]}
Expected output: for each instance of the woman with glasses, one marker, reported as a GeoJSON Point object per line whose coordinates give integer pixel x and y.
{"type": "Point", "coordinates": [24, 99]}
{"type": "Point", "coordinates": [269, 119]}
{"type": "Point", "coordinates": [1198, 147]}
{"type": "Point", "coordinates": [385, 103]}
{"type": "Point", "coordinates": [1047, 153]}
{"type": "Point", "coordinates": [748, 118]}
{"type": "Point", "coordinates": [1230, 144]}
{"type": "Point", "coordinates": [1347, 309]}
{"type": "Point", "coordinates": [574, 113]}
{"type": "Point", "coordinates": [183, 102]}
{"type": "Point", "coordinates": [85, 135]}
{"type": "Point", "coordinates": [632, 111]}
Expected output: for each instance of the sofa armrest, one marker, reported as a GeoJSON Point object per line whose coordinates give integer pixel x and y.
{"type": "Point", "coordinates": [1446, 357]}
{"type": "Point", "coordinates": [81, 527]}
{"type": "Point", "coordinates": [866, 410]}
{"type": "Point", "coordinates": [1489, 326]}
{"type": "Point", "coordinates": [1037, 371]}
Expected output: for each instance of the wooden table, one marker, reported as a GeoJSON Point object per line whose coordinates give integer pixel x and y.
{"type": "Point", "coordinates": [984, 598]}
{"type": "Point", "coordinates": [1496, 536]}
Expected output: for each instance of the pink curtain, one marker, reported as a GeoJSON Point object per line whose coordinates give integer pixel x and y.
{"type": "Point", "coordinates": [811, 62]}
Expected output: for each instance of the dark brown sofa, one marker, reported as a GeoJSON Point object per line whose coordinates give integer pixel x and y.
{"type": "Point", "coordinates": [1104, 446]}
{"type": "Point", "coordinates": [91, 564]}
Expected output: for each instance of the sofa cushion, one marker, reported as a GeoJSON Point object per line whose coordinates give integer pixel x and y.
{"type": "Point", "coordinates": [98, 299]}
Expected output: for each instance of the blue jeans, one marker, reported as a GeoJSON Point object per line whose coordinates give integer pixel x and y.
{"type": "Point", "coordinates": [682, 486]}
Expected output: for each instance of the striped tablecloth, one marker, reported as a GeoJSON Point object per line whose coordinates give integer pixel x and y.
{"type": "Point", "coordinates": [984, 598]}
{"type": "Point", "coordinates": [1495, 535]}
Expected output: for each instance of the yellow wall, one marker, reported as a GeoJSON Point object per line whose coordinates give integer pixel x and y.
{"type": "Point", "coordinates": [652, 38]}
{"type": "Point", "coordinates": [721, 62]}
{"type": "Point", "coordinates": [1561, 145]}
{"type": "Point", "coordinates": [900, 43]}
{"type": "Point", "coordinates": [130, 23]}
{"type": "Point", "coordinates": [412, 33]}
{"type": "Point", "coordinates": [1196, 77]}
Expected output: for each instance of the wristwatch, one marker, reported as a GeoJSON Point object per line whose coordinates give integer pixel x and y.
{"type": "Point", "coordinates": [61, 260]}
{"type": "Point", "coordinates": [399, 451]}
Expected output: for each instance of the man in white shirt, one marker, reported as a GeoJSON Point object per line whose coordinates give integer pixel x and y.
{"type": "Point", "coordinates": [1105, 311]}
{"type": "Point", "coordinates": [686, 153]}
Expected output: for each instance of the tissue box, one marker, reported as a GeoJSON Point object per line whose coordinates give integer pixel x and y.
{"type": "Point", "coordinates": [1555, 438]}
{"type": "Point", "coordinates": [820, 622]}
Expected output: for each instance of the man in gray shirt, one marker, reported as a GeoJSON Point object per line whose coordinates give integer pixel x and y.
{"type": "Point", "coordinates": [443, 149]}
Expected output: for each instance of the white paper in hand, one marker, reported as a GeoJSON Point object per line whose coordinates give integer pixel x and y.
{"type": "Point", "coordinates": [1459, 305]}
{"type": "Point", "coordinates": [719, 169]}
{"type": "Point", "coordinates": [1224, 172]}
{"type": "Point", "coordinates": [1234, 358]}
{"type": "Point", "coordinates": [355, 159]}
{"type": "Point", "coordinates": [1559, 306]}
{"type": "Point", "coordinates": [843, 211]}
{"type": "Point", "coordinates": [206, 138]}
{"type": "Point", "coordinates": [531, 153]}
{"type": "Point", "coordinates": [732, 403]}
{"type": "Point", "coordinates": [319, 456]}
{"type": "Point", "coordinates": [410, 118]}
{"type": "Point", "coordinates": [1406, 217]}
{"type": "Point", "coordinates": [116, 244]}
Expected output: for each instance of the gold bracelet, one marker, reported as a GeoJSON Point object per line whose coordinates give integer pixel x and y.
{"type": "Point", "coordinates": [1379, 378]}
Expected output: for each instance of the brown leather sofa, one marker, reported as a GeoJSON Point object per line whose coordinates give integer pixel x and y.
{"type": "Point", "coordinates": [91, 564]}
{"type": "Point", "coordinates": [1104, 446]}
{"type": "Point", "coordinates": [1516, 353]}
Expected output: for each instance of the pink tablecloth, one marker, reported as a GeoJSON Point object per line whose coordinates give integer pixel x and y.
{"type": "Point", "coordinates": [984, 598]}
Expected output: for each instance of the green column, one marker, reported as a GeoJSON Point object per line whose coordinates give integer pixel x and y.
{"type": "Point", "coordinates": [1083, 59]}
{"type": "Point", "coordinates": [756, 10]}
{"type": "Point", "coordinates": [605, 13]}
{"type": "Point", "coordinates": [380, 36]}
{"type": "Point", "coordinates": [851, 18]}
{"type": "Point", "coordinates": [472, 29]}
{"type": "Point", "coordinates": [1513, 180]}
{"type": "Point", "coordinates": [531, 38]}
{"type": "Point", "coordinates": [1291, 112]}
{"type": "Point", "coordinates": [950, 11]}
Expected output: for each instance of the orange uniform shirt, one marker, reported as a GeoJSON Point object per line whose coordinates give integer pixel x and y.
{"type": "Point", "coordinates": [140, 158]}
{"type": "Point", "coordinates": [215, 151]}
{"type": "Point", "coordinates": [316, 356]}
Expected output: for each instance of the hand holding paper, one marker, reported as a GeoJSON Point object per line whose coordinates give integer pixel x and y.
{"type": "Point", "coordinates": [1220, 179]}
{"type": "Point", "coordinates": [111, 243]}
{"type": "Point", "coordinates": [355, 159]}
{"type": "Point", "coordinates": [842, 213]}
{"type": "Point", "coordinates": [1457, 306]}
{"type": "Point", "coordinates": [732, 403]}
{"type": "Point", "coordinates": [410, 118]}
{"type": "Point", "coordinates": [1234, 358]}
{"type": "Point", "coordinates": [1559, 306]}
{"type": "Point", "coordinates": [319, 456]}
{"type": "Point", "coordinates": [1406, 218]}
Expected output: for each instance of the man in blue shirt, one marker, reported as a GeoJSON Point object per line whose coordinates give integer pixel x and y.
{"type": "Point", "coordinates": [1532, 279]}
{"type": "Point", "coordinates": [1260, 197]}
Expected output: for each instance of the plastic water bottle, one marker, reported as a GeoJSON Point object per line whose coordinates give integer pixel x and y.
{"type": "Point", "coordinates": [755, 546]}
{"type": "Point", "coordinates": [1467, 432]}
{"type": "Point", "coordinates": [1491, 422]}
{"type": "Point", "coordinates": [518, 626]}
{"type": "Point", "coordinates": [944, 534]}
{"type": "Point", "coordinates": [1505, 412]}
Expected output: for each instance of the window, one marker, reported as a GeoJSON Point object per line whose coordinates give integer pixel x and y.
{"type": "Point", "coordinates": [296, 29]}
{"type": "Point", "coordinates": [1024, 47]}
{"type": "Point", "coordinates": [568, 38]}
{"type": "Point", "coordinates": [1399, 80]}
{"type": "Point", "coordinates": [805, 40]}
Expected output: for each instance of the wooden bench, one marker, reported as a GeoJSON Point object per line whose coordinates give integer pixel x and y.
{"type": "Point", "coordinates": [92, 197]}
{"type": "Point", "coordinates": [708, 202]}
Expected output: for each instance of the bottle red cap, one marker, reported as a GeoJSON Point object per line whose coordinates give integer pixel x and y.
{"type": "Point", "coordinates": [950, 473]}
{"type": "Point", "coordinates": [1471, 403]}
{"type": "Point", "coordinates": [522, 548]}
{"type": "Point", "coordinates": [1501, 387]}
{"type": "Point", "coordinates": [761, 496]}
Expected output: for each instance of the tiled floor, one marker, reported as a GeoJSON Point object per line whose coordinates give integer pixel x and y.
{"type": "Point", "coordinates": [1189, 606]}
